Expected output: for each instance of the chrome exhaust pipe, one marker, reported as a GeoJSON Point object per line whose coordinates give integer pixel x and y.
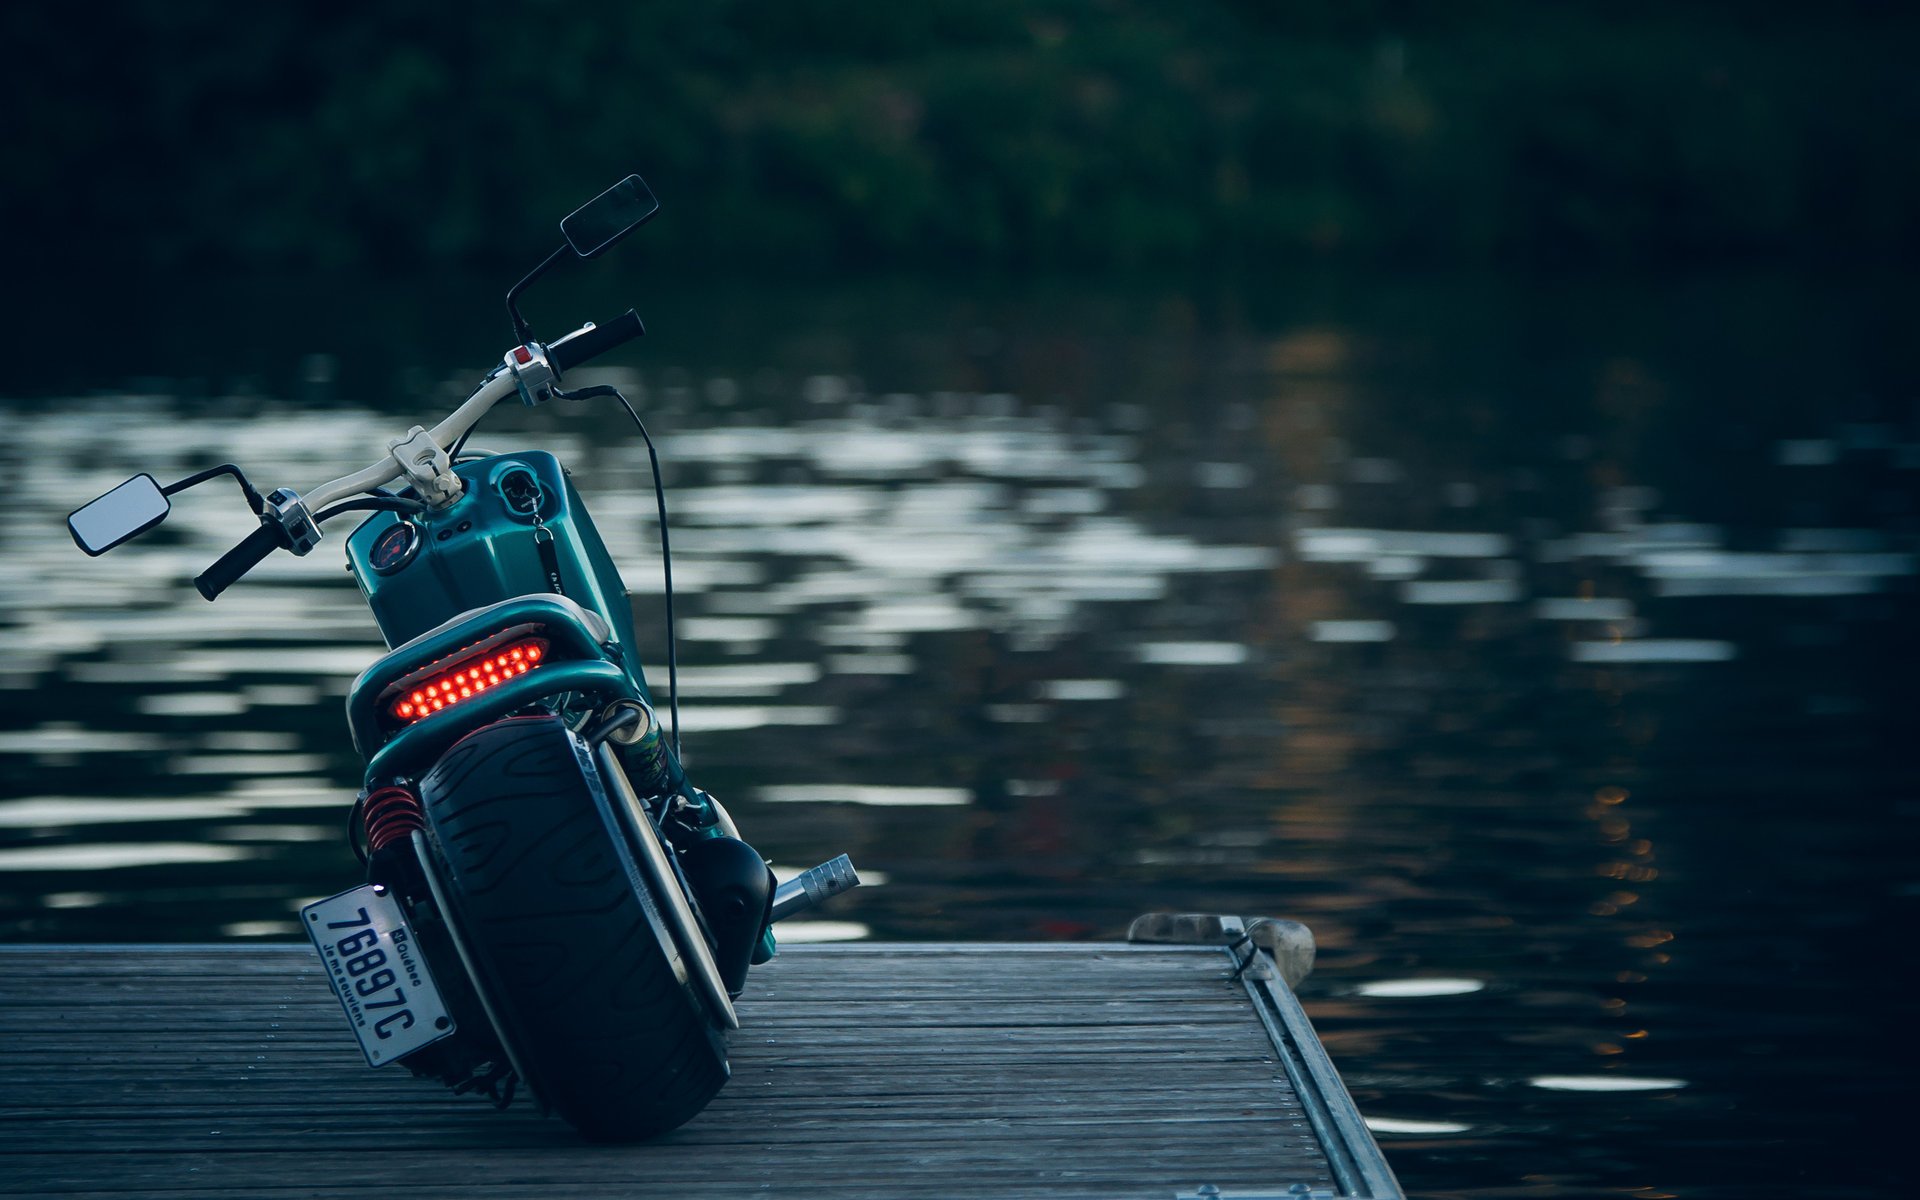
{"type": "Point", "coordinates": [811, 887]}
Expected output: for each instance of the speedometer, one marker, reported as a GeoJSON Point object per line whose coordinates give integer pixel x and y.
{"type": "Point", "coordinates": [396, 548]}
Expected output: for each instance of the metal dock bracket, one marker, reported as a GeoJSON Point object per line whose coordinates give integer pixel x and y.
{"type": "Point", "coordinates": [1269, 957]}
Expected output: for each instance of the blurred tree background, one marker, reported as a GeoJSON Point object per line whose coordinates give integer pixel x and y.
{"type": "Point", "coordinates": [1066, 134]}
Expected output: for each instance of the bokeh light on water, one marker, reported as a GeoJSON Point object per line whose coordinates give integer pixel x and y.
{"type": "Point", "coordinates": [1549, 670]}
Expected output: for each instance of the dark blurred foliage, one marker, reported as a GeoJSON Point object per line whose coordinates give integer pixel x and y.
{"type": "Point", "coordinates": [1069, 133]}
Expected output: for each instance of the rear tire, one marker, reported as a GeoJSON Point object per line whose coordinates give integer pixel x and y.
{"type": "Point", "coordinates": [596, 1005]}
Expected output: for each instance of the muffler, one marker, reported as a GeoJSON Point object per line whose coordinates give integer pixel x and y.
{"type": "Point", "coordinates": [813, 886]}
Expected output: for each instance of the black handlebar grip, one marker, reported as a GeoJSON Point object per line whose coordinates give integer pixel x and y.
{"type": "Point", "coordinates": [577, 348]}
{"type": "Point", "coordinates": [238, 561]}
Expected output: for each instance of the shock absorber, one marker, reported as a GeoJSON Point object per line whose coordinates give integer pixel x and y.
{"type": "Point", "coordinates": [392, 814]}
{"type": "Point", "coordinates": [632, 726]}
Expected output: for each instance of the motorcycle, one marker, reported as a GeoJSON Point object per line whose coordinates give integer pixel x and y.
{"type": "Point", "coordinates": [550, 905]}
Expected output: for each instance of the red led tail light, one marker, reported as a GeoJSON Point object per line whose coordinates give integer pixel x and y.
{"type": "Point", "coordinates": [430, 692]}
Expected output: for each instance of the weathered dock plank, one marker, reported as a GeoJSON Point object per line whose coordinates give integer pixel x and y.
{"type": "Point", "coordinates": [859, 1071]}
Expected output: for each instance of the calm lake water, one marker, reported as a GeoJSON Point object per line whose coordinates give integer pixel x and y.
{"type": "Point", "coordinates": [1545, 648]}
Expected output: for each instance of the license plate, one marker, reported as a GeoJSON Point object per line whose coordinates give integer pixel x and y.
{"type": "Point", "coordinates": [375, 966]}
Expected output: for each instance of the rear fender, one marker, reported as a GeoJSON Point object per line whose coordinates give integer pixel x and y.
{"type": "Point", "coordinates": [577, 657]}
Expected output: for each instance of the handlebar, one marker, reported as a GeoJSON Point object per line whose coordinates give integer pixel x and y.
{"type": "Point", "coordinates": [238, 561]}
{"type": "Point", "coordinates": [498, 387]}
{"type": "Point", "coordinates": [573, 350]}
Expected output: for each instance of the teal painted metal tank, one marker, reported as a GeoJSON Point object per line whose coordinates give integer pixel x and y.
{"type": "Point", "coordinates": [518, 529]}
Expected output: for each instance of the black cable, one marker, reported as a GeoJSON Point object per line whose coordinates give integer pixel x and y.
{"type": "Point", "coordinates": [395, 504]}
{"type": "Point", "coordinates": [666, 547]}
{"type": "Point", "coordinates": [460, 442]}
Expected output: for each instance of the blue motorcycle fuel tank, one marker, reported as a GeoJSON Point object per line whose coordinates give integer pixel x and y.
{"type": "Point", "coordinates": [519, 528]}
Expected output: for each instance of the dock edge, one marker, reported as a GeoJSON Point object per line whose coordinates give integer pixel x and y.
{"type": "Point", "coordinates": [1352, 1153]}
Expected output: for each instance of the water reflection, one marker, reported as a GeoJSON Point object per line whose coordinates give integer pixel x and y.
{"type": "Point", "coordinates": [106, 856]}
{"type": "Point", "coordinates": [1560, 703]}
{"type": "Point", "coordinates": [802, 932]}
{"type": "Point", "coordinates": [1604, 1083]}
{"type": "Point", "coordinates": [853, 793]}
{"type": "Point", "coordinates": [1351, 631]}
{"type": "Point", "coordinates": [1398, 1127]}
{"type": "Point", "coordinates": [728, 718]}
{"type": "Point", "coordinates": [1653, 650]}
{"type": "Point", "coordinates": [55, 812]}
{"type": "Point", "coordinates": [1420, 987]}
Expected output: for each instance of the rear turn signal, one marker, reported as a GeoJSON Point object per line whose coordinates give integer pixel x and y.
{"type": "Point", "coordinates": [467, 679]}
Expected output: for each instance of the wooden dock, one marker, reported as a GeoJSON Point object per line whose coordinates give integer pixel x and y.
{"type": "Point", "coordinates": [873, 1070]}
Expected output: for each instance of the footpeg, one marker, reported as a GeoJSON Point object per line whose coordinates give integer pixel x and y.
{"type": "Point", "coordinates": [811, 887]}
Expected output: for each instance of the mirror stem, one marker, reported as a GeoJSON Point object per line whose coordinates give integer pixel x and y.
{"type": "Point", "coordinates": [254, 500]}
{"type": "Point", "coordinates": [521, 330]}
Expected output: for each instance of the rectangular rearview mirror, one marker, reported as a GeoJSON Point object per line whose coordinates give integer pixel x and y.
{"type": "Point", "coordinates": [128, 510]}
{"type": "Point", "coordinates": [610, 216]}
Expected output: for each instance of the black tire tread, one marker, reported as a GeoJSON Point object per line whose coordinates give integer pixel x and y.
{"type": "Point", "coordinates": [615, 1043]}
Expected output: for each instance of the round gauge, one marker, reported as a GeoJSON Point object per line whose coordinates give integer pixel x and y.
{"type": "Point", "coordinates": [396, 548]}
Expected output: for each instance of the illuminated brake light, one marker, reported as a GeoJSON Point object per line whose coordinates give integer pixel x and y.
{"type": "Point", "coordinates": [435, 692]}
